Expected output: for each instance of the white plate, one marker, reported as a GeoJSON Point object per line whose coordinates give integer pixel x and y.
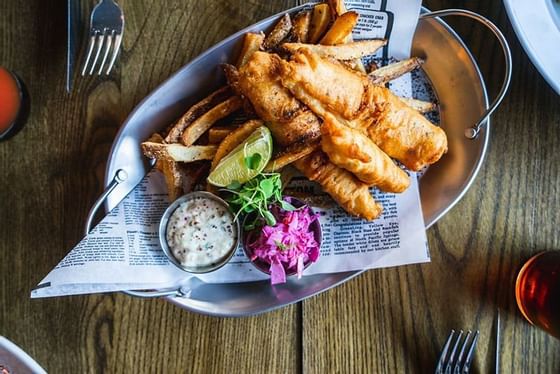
{"type": "Point", "coordinates": [15, 360]}
{"type": "Point", "coordinates": [537, 25]}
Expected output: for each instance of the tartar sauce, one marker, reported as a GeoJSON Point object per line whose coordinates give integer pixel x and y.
{"type": "Point", "coordinates": [200, 232]}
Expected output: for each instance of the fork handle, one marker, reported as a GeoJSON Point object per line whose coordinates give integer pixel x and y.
{"type": "Point", "coordinates": [472, 132]}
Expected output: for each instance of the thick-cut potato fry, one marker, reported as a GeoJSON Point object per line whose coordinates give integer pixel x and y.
{"type": "Point", "coordinates": [178, 152]}
{"type": "Point", "coordinates": [235, 138]}
{"type": "Point", "coordinates": [192, 173]}
{"type": "Point", "coordinates": [291, 155]}
{"type": "Point", "coordinates": [181, 178]}
{"type": "Point", "coordinates": [373, 67]}
{"type": "Point", "coordinates": [287, 174]}
{"type": "Point", "coordinates": [160, 165]}
{"type": "Point", "coordinates": [319, 22]}
{"type": "Point", "coordinates": [251, 43]}
{"type": "Point", "coordinates": [204, 122]}
{"type": "Point", "coordinates": [323, 201]}
{"type": "Point", "coordinates": [348, 51]}
{"type": "Point", "coordinates": [195, 111]}
{"type": "Point", "coordinates": [173, 179]}
{"type": "Point", "coordinates": [338, 7]}
{"type": "Point", "coordinates": [340, 29]}
{"type": "Point", "coordinates": [419, 105]}
{"type": "Point", "coordinates": [278, 33]}
{"type": "Point", "coordinates": [217, 134]}
{"type": "Point", "coordinates": [301, 23]}
{"type": "Point", "coordinates": [232, 77]}
{"type": "Point", "coordinates": [387, 73]}
{"type": "Point", "coordinates": [155, 138]}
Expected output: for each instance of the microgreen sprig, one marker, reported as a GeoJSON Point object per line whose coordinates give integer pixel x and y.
{"type": "Point", "coordinates": [256, 196]}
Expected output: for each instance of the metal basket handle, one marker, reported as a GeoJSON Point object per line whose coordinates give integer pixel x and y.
{"type": "Point", "coordinates": [120, 176]}
{"type": "Point", "coordinates": [472, 132]}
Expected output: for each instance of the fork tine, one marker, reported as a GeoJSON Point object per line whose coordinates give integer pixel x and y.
{"type": "Point", "coordinates": [98, 46]}
{"type": "Point", "coordinates": [457, 367]}
{"type": "Point", "coordinates": [439, 367]}
{"type": "Point", "coordinates": [452, 354]}
{"type": "Point", "coordinates": [116, 48]}
{"type": "Point", "coordinates": [469, 358]}
{"type": "Point", "coordinates": [90, 49]}
{"type": "Point", "coordinates": [107, 45]}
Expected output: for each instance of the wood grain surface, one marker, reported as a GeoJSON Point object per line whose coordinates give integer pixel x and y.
{"type": "Point", "coordinates": [385, 321]}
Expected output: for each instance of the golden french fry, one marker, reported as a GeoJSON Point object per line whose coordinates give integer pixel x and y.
{"type": "Point", "coordinates": [155, 138]}
{"type": "Point", "coordinates": [217, 134]}
{"type": "Point", "coordinates": [348, 51]}
{"type": "Point", "coordinates": [287, 174]}
{"type": "Point", "coordinates": [278, 33]}
{"type": "Point", "coordinates": [197, 110]}
{"type": "Point", "coordinates": [301, 24]}
{"type": "Point", "coordinates": [233, 139]}
{"type": "Point", "coordinates": [337, 7]}
{"type": "Point", "coordinates": [159, 165]}
{"type": "Point", "coordinates": [232, 77]}
{"type": "Point", "coordinates": [319, 22]}
{"type": "Point", "coordinates": [178, 152]}
{"type": "Point", "coordinates": [419, 105]}
{"type": "Point", "coordinates": [173, 180]}
{"type": "Point", "coordinates": [192, 173]}
{"type": "Point", "coordinates": [340, 29]}
{"type": "Point", "coordinates": [323, 201]}
{"type": "Point", "coordinates": [291, 155]}
{"type": "Point", "coordinates": [386, 73]}
{"type": "Point", "coordinates": [204, 122]}
{"type": "Point", "coordinates": [251, 43]}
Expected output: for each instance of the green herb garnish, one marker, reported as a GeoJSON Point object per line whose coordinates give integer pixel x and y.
{"type": "Point", "coordinates": [256, 196]}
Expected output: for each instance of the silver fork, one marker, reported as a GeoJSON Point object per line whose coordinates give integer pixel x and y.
{"type": "Point", "coordinates": [105, 36]}
{"type": "Point", "coordinates": [457, 361]}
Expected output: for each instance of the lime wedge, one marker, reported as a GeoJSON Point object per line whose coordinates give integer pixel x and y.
{"type": "Point", "coordinates": [246, 160]}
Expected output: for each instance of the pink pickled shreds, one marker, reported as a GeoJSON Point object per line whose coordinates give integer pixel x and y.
{"type": "Point", "coordinates": [288, 245]}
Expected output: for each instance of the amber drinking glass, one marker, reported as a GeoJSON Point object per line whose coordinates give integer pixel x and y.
{"type": "Point", "coordinates": [537, 291]}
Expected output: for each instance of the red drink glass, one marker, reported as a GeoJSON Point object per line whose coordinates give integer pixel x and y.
{"type": "Point", "coordinates": [12, 104]}
{"type": "Point", "coordinates": [537, 291]}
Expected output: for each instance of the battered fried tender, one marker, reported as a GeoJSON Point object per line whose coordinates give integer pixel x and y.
{"type": "Point", "coordinates": [288, 119]}
{"type": "Point", "coordinates": [352, 150]}
{"type": "Point", "coordinates": [326, 86]}
{"type": "Point", "coordinates": [406, 135]}
{"type": "Point", "coordinates": [347, 190]}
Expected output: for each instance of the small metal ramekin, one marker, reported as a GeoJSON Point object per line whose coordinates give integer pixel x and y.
{"type": "Point", "coordinates": [163, 233]}
{"type": "Point", "coordinates": [263, 266]}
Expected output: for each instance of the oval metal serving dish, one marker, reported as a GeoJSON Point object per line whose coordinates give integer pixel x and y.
{"type": "Point", "coordinates": [462, 98]}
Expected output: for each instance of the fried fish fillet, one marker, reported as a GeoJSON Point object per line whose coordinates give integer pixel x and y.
{"type": "Point", "coordinates": [288, 119]}
{"type": "Point", "coordinates": [327, 87]}
{"type": "Point", "coordinates": [347, 190]}
{"type": "Point", "coordinates": [407, 135]}
{"type": "Point", "coordinates": [352, 150]}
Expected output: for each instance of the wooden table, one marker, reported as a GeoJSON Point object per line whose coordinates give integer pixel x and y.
{"type": "Point", "coordinates": [391, 320]}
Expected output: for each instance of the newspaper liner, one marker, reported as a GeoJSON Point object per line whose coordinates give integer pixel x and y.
{"type": "Point", "coordinates": [122, 252]}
